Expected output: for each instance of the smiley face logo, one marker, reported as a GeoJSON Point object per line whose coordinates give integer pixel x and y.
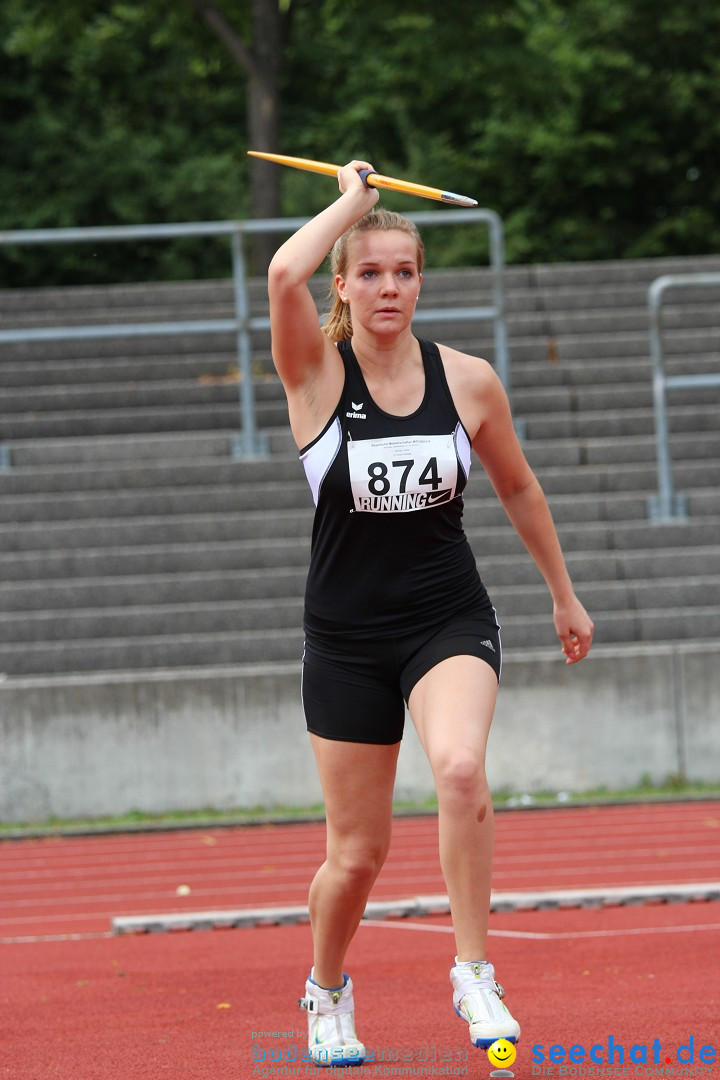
{"type": "Point", "coordinates": [502, 1053]}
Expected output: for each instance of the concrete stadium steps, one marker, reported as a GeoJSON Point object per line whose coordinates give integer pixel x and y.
{"type": "Point", "coordinates": [542, 370]}
{"type": "Point", "coordinates": [178, 395]}
{"type": "Point", "coordinates": [148, 607]}
{"type": "Point", "coordinates": [71, 304]}
{"type": "Point", "coordinates": [549, 453]}
{"type": "Point", "coordinates": [147, 449]}
{"type": "Point", "coordinates": [617, 284]}
{"type": "Point", "coordinates": [130, 538]}
{"type": "Point", "coordinates": [221, 414]}
{"type": "Point", "coordinates": [22, 601]}
{"type": "Point", "coordinates": [215, 356]}
{"type": "Point", "coordinates": [200, 367]}
{"type": "Point", "coordinates": [208, 503]}
{"type": "Point", "coordinates": [93, 423]}
{"type": "Point", "coordinates": [117, 591]}
{"type": "Point", "coordinates": [619, 422]}
{"type": "Point", "coordinates": [580, 326]}
{"type": "Point", "coordinates": [151, 620]}
{"type": "Point", "coordinates": [491, 536]}
{"type": "Point", "coordinates": [252, 528]}
{"type": "Point", "coordinates": [50, 455]}
{"type": "Point", "coordinates": [115, 559]}
{"type": "Point", "coordinates": [173, 572]}
{"type": "Point", "coordinates": [200, 501]}
{"type": "Point", "coordinates": [205, 550]}
{"type": "Point", "coordinates": [187, 647]}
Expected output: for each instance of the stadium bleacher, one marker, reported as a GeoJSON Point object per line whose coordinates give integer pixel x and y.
{"type": "Point", "coordinates": [130, 539]}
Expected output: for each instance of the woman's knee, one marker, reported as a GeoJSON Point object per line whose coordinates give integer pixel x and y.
{"type": "Point", "coordinates": [358, 865]}
{"type": "Point", "coordinates": [460, 775]}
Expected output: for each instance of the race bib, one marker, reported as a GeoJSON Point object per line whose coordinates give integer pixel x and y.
{"type": "Point", "coordinates": [401, 474]}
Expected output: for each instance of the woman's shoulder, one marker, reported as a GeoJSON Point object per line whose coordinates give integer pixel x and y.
{"type": "Point", "coordinates": [474, 387]}
{"type": "Point", "coordinates": [471, 370]}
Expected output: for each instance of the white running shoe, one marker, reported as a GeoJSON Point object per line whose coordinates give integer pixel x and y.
{"type": "Point", "coordinates": [332, 1039]}
{"type": "Point", "coordinates": [478, 999]}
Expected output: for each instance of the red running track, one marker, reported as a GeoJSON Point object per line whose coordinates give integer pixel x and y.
{"type": "Point", "coordinates": [64, 885]}
{"type": "Point", "coordinates": [634, 980]}
{"type": "Point", "coordinates": [196, 1005]}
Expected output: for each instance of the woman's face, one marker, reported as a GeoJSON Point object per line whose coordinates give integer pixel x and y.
{"type": "Point", "coordinates": [382, 281]}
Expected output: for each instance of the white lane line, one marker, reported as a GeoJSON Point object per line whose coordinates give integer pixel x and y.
{"type": "Point", "coordinates": [401, 924]}
{"type": "Point", "coordinates": [530, 935]}
{"type": "Point", "coordinates": [35, 939]}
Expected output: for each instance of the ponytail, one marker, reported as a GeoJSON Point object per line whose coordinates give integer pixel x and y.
{"type": "Point", "coordinates": [337, 324]}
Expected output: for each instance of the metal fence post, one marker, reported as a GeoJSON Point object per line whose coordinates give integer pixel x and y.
{"type": "Point", "coordinates": [249, 443]}
{"type": "Point", "coordinates": [664, 506]}
{"type": "Point", "coordinates": [667, 506]}
{"type": "Point", "coordinates": [497, 262]}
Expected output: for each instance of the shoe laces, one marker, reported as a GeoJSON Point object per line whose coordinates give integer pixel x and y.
{"type": "Point", "coordinates": [483, 980]}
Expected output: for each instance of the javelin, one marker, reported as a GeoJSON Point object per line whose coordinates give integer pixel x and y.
{"type": "Point", "coordinates": [370, 178]}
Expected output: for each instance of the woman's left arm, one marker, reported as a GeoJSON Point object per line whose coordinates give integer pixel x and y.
{"type": "Point", "coordinates": [519, 491]}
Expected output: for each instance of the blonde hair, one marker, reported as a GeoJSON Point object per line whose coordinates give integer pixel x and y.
{"type": "Point", "coordinates": [338, 323]}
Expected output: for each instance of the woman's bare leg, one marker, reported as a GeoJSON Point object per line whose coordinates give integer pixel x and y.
{"type": "Point", "coordinates": [357, 781]}
{"type": "Point", "coordinates": [452, 708]}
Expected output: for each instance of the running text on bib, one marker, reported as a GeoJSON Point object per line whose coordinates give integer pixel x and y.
{"type": "Point", "coordinates": [397, 475]}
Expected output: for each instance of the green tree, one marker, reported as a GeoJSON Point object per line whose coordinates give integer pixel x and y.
{"type": "Point", "coordinates": [112, 114]}
{"type": "Point", "coordinates": [605, 149]}
{"type": "Point", "coordinates": [258, 50]}
{"type": "Point", "coordinates": [589, 125]}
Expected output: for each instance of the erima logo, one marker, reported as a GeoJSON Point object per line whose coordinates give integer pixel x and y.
{"type": "Point", "coordinates": [356, 414]}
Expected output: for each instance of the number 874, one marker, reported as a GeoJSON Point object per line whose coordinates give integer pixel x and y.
{"type": "Point", "coordinates": [378, 484]}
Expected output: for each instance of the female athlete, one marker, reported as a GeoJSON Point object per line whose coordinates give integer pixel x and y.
{"type": "Point", "coordinates": [395, 612]}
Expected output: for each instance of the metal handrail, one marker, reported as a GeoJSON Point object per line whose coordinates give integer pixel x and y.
{"type": "Point", "coordinates": [667, 505]}
{"type": "Point", "coordinates": [250, 443]}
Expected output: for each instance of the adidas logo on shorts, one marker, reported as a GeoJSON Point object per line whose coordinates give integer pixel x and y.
{"type": "Point", "coordinates": [488, 644]}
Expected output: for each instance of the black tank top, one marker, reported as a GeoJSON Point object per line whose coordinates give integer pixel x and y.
{"type": "Point", "coordinates": [389, 553]}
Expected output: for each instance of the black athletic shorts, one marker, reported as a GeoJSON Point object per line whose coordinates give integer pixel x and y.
{"type": "Point", "coordinates": [355, 690]}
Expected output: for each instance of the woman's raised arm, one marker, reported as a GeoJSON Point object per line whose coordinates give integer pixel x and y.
{"type": "Point", "coordinates": [300, 349]}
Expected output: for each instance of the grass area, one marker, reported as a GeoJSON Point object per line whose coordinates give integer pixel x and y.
{"type": "Point", "coordinates": [673, 787]}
